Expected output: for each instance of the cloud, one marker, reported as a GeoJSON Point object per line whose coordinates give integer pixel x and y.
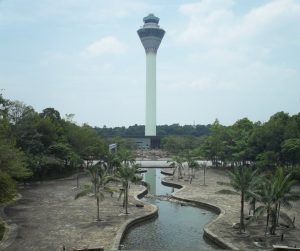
{"type": "Point", "coordinates": [108, 45]}
{"type": "Point", "coordinates": [207, 20]}
{"type": "Point", "coordinates": [216, 23]}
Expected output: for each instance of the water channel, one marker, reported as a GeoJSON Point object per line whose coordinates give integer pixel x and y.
{"type": "Point", "coordinates": [177, 227]}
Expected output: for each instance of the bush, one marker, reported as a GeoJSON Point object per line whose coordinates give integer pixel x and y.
{"type": "Point", "coordinates": [7, 187]}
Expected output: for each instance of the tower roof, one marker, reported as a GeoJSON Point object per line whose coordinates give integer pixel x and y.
{"type": "Point", "coordinates": [151, 19]}
{"type": "Point", "coordinates": [151, 34]}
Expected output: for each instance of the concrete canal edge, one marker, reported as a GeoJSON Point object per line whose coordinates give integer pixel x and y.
{"type": "Point", "coordinates": [221, 213]}
{"type": "Point", "coordinates": [125, 228]}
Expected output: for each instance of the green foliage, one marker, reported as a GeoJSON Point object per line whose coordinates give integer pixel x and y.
{"type": "Point", "coordinates": [179, 144]}
{"type": "Point", "coordinates": [126, 156]}
{"type": "Point", "coordinates": [12, 160]}
{"type": "Point", "coordinates": [265, 145]}
{"type": "Point", "coordinates": [7, 187]}
{"type": "Point", "coordinates": [291, 150]}
{"type": "Point", "coordinates": [111, 162]}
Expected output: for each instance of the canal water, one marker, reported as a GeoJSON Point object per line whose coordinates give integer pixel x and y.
{"type": "Point", "coordinates": [177, 227]}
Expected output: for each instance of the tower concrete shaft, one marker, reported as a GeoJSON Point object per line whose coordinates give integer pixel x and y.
{"type": "Point", "coordinates": [151, 35]}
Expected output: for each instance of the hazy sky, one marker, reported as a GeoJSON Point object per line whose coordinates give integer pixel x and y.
{"type": "Point", "coordinates": [225, 59]}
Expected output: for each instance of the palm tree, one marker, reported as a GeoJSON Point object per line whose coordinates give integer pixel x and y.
{"type": "Point", "coordinates": [126, 174]}
{"type": "Point", "coordinates": [126, 157]}
{"type": "Point", "coordinates": [285, 195]}
{"type": "Point", "coordinates": [266, 195]}
{"type": "Point", "coordinates": [111, 162]}
{"type": "Point", "coordinates": [276, 192]}
{"type": "Point", "coordinates": [99, 181]}
{"type": "Point", "coordinates": [193, 165]}
{"type": "Point", "coordinates": [204, 166]}
{"type": "Point", "coordinates": [242, 180]}
{"type": "Point", "coordinates": [177, 164]}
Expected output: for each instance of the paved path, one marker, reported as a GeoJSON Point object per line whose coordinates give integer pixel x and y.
{"type": "Point", "coordinates": [48, 217]}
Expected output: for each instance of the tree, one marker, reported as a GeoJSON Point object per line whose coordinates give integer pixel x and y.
{"type": "Point", "coordinates": [98, 186]}
{"type": "Point", "coordinates": [12, 160]}
{"type": "Point", "coordinates": [276, 191]}
{"type": "Point", "coordinates": [238, 143]}
{"type": "Point", "coordinates": [291, 151]}
{"type": "Point", "coordinates": [18, 110]}
{"type": "Point", "coordinates": [193, 165]}
{"type": "Point", "coordinates": [177, 164]}
{"type": "Point", "coordinates": [243, 180]}
{"type": "Point", "coordinates": [7, 187]}
{"type": "Point", "coordinates": [204, 166]}
{"type": "Point", "coordinates": [51, 113]}
{"type": "Point", "coordinates": [127, 174]}
{"type": "Point", "coordinates": [111, 162]}
{"type": "Point", "coordinates": [126, 156]}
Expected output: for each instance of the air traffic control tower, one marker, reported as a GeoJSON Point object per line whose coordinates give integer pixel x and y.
{"type": "Point", "coordinates": [151, 35]}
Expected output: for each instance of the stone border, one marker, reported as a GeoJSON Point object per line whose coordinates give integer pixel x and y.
{"type": "Point", "coordinates": [221, 213]}
{"type": "Point", "coordinates": [130, 223]}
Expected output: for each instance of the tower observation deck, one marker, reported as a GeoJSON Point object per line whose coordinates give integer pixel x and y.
{"type": "Point", "coordinates": [151, 35]}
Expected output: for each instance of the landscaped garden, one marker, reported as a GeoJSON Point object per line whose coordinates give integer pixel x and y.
{"type": "Point", "coordinates": [76, 193]}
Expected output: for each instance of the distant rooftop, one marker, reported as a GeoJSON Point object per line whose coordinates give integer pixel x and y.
{"type": "Point", "coordinates": [151, 19]}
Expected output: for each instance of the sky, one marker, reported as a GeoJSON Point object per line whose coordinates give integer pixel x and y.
{"type": "Point", "coordinates": [219, 59]}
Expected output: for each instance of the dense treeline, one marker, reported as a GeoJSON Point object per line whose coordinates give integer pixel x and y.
{"type": "Point", "coordinates": [162, 131]}
{"type": "Point", "coordinates": [273, 143]}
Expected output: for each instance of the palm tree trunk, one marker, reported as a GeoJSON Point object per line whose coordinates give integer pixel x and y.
{"type": "Point", "coordinates": [126, 200]}
{"type": "Point", "coordinates": [204, 172]}
{"type": "Point", "coordinates": [242, 225]}
{"type": "Point", "coordinates": [278, 213]}
{"type": "Point", "coordinates": [268, 217]}
{"type": "Point", "coordinates": [98, 213]}
{"type": "Point", "coordinates": [273, 217]}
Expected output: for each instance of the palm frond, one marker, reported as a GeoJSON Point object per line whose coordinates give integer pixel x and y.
{"type": "Point", "coordinates": [287, 219]}
{"type": "Point", "coordinates": [87, 190]}
{"type": "Point", "coordinates": [259, 211]}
